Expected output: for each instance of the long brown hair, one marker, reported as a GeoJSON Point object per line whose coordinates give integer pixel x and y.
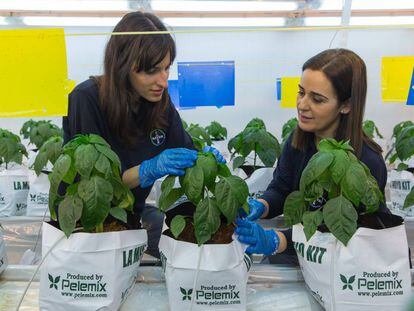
{"type": "Point", "coordinates": [129, 115]}
{"type": "Point", "coordinates": [348, 75]}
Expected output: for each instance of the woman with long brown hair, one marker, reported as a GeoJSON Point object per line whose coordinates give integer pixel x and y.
{"type": "Point", "coordinates": [330, 104]}
{"type": "Point", "coordinates": [130, 108]}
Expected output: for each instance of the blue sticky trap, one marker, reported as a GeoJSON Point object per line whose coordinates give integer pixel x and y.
{"type": "Point", "coordinates": [174, 94]}
{"type": "Point", "coordinates": [206, 83]}
{"type": "Point", "coordinates": [410, 99]}
{"type": "Point", "coordinates": [278, 89]}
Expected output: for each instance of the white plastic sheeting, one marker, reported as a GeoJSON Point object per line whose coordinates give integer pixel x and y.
{"type": "Point", "coordinates": [269, 288]}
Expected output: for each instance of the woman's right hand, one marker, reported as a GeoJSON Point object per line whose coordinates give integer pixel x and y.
{"type": "Point", "coordinates": [260, 241]}
{"type": "Point", "coordinates": [169, 162]}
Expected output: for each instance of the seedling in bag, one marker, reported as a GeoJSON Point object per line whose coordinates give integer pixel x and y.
{"type": "Point", "coordinates": [392, 155]}
{"type": "Point", "coordinates": [216, 202]}
{"type": "Point", "coordinates": [254, 138]}
{"type": "Point", "coordinates": [90, 172]}
{"type": "Point", "coordinates": [404, 147]}
{"type": "Point", "coordinates": [216, 131]}
{"type": "Point", "coordinates": [339, 178]}
{"type": "Point", "coordinates": [370, 129]}
{"type": "Point", "coordinates": [11, 149]}
{"type": "Point", "coordinates": [38, 132]}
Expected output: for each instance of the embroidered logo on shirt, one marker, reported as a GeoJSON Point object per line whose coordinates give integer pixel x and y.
{"type": "Point", "coordinates": [157, 137]}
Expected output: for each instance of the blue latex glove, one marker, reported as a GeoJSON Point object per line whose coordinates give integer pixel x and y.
{"type": "Point", "coordinates": [217, 154]}
{"type": "Point", "coordinates": [169, 162]}
{"type": "Point", "coordinates": [256, 209]}
{"type": "Point", "coordinates": [260, 241]}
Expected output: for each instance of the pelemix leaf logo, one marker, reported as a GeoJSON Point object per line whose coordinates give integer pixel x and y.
{"type": "Point", "coordinates": [186, 293]}
{"type": "Point", "coordinates": [347, 282]}
{"type": "Point", "coordinates": [53, 281]}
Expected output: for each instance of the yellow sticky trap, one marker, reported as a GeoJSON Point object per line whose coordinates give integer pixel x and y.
{"type": "Point", "coordinates": [289, 92]}
{"type": "Point", "coordinates": [33, 75]}
{"type": "Point", "coordinates": [395, 78]}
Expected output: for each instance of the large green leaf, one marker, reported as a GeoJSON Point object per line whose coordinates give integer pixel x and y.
{"type": "Point", "coordinates": [339, 165]}
{"type": "Point", "coordinates": [111, 155]}
{"type": "Point", "coordinates": [169, 198]}
{"type": "Point", "coordinates": [404, 144]}
{"type": "Point", "coordinates": [238, 161]}
{"type": "Point", "coordinates": [206, 219]}
{"type": "Point", "coordinates": [372, 196]}
{"type": "Point", "coordinates": [354, 183]}
{"type": "Point", "coordinates": [294, 208]}
{"type": "Point", "coordinates": [40, 162]}
{"type": "Point", "coordinates": [208, 164]}
{"type": "Point", "coordinates": [62, 166]}
{"type": "Point", "coordinates": [223, 170]}
{"type": "Point", "coordinates": [316, 166]}
{"type": "Point", "coordinates": [311, 221]}
{"type": "Point", "coordinates": [192, 183]}
{"type": "Point", "coordinates": [96, 194]}
{"type": "Point", "coordinates": [409, 200]}
{"type": "Point", "coordinates": [119, 213]}
{"type": "Point", "coordinates": [96, 139]}
{"type": "Point", "coordinates": [177, 225]}
{"type": "Point", "coordinates": [85, 159]}
{"type": "Point", "coordinates": [340, 218]}
{"type": "Point", "coordinates": [8, 149]}
{"type": "Point", "coordinates": [70, 211]}
{"type": "Point", "coordinates": [103, 165]}
{"type": "Point", "coordinates": [231, 193]}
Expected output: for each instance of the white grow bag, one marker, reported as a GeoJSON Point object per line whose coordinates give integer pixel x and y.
{"type": "Point", "coordinates": [14, 187]}
{"type": "Point", "coordinates": [89, 271]}
{"type": "Point", "coordinates": [210, 277]}
{"type": "Point", "coordinates": [371, 273]}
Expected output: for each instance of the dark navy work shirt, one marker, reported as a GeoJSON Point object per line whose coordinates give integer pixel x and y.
{"type": "Point", "coordinates": [291, 164]}
{"type": "Point", "coordinates": [86, 117]}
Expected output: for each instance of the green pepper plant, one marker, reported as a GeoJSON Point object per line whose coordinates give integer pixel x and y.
{"type": "Point", "coordinates": [404, 148]}
{"type": "Point", "coordinates": [39, 131]}
{"type": "Point", "coordinates": [212, 189]}
{"type": "Point", "coordinates": [392, 155]}
{"type": "Point", "coordinates": [216, 131]}
{"type": "Point", "coordinates": [11, 148]}
{"type": "Point", "coordinates": [90, 172]}
{"type": "Point", "coordinates": [336, 172]}
{"type": "Point", "coordinates": [254, 138]}
{"type": "Point", "coordinates": [370, 129]}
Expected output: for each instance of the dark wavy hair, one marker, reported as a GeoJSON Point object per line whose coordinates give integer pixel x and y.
{"type": "Point", "coordinates": [129, 115]}
{"type": "Point", "coordinates": [348, 75]}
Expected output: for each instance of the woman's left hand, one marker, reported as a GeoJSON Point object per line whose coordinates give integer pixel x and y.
{"type": "Point", "coordinates": [217, 154]}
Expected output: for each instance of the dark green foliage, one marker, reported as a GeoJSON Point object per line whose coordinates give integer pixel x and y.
{"type": "Point", "coordinates": [199, 136]}
{"type": "Point", "coordinates": [216, 131]}
{"type": "Point", "coordinates": [370, 129]}
{"type": "Point", "coordinates": [50, 151]}
{"type": "Point", "coordinates": [91, 172]}
{"type": "Point", "coordinates": [254, 138]}
{"type": "Point", "coordinates": [39, 132]}
{"type": "Point", "coordinates": [348, 183]}
{"type": "Point", "coordinates": [212, 199]}
{"type": "Point", "coordinates": [11, 149]}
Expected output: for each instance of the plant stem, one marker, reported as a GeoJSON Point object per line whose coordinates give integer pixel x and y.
{"type": "Point", "coordinates": [99, 228]}
{"type": "Point", "coordinates": [255, 157]}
